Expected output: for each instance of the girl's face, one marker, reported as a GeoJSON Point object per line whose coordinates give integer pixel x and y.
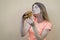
{"type": "Point", "coordinates": [36, 9]}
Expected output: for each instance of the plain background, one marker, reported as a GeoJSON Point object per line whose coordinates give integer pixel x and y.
{"type": "Point", "coordinates": [12, 10]}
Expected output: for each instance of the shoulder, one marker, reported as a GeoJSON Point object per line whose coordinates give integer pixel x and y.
{"type": "Point", "coordinates": [47, 22]}
{"type": "Point", "coordinates": [48, 25]}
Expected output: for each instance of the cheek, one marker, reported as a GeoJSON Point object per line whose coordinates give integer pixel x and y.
{"type": "Point", "coordinates": [36, 10]}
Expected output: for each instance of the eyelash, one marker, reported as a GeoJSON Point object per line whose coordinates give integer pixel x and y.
{"type": "Point", "coordinates": [36, 7]}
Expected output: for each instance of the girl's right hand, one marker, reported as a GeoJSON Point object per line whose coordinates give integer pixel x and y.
{"type": "Point", "coordinates": [30, 20]}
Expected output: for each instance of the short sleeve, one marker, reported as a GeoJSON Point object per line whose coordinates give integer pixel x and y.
{"type": "Point", "coordinates": [48, 25]}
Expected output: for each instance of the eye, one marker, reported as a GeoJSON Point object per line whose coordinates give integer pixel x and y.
{"type": "Point", "coordinates": [36, 7]}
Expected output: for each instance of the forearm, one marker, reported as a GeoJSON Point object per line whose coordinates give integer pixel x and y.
{"type": "Point", "coordinates": [22, 31]}
{"type": "Point", "coordinates": [38, 37]}
{"type": "Point", "coordinates": [42, 36]}
{"type": "Point", "coordinates": [22, 28]}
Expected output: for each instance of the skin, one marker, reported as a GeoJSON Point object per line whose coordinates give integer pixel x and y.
{"type": "Point", "coordinates": [40, 19]}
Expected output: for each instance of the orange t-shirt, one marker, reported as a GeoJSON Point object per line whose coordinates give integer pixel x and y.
{"type": "Point", "coordinates": [40, 27]}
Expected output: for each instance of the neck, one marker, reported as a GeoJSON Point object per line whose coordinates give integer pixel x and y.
{"type": "Point", "coordinates": [40, 18]}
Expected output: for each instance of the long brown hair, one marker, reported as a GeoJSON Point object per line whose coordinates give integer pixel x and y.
{"type": "Point", "coordinates": [43, 10]}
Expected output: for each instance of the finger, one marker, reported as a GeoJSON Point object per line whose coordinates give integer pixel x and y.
{"type": "Point", "coordinates": [32, 17]}
{"type": "Point", "coordinates": [27, 21]}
